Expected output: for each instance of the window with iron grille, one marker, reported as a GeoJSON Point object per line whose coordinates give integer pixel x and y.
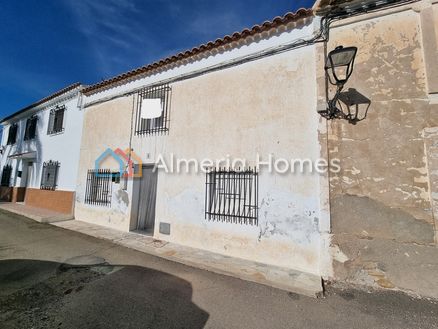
{"type": "Point", "coordinates": [153, 106]}
{"type": "Point", "coordinates": [49, 176]}
{"type": "Point", "coordinates": [12, 134]}
{"type": "Point", "coordinates": [31, 125]}
{"type": "Point", "coordinates": [232, 196]}
{"type": "Point", "coordinates": [99, 187]}
{"type": "Point", "coordinates": [56, 120]}
{"type": "Point", "coordinates": [6, 175]}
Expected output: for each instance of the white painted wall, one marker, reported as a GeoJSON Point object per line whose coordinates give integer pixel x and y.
{"type": "Point", "coordinates": [265, 106]}
{"type": "Point", "coordinates": [62, 147]}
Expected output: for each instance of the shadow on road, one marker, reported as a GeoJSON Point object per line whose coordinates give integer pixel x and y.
{"type": "Point", "coordinates": [42, 294]}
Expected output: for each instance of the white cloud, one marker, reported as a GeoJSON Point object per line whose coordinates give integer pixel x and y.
{"type": "Point", "coordinates": [109, 28]}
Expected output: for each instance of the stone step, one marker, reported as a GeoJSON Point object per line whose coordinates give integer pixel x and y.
{"type": "Point", "coordinates": [37, 214]}
{"type": "Point", "coordinates": [278, 277]}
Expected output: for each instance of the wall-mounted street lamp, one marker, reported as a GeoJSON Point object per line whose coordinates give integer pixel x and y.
{"type": "Point", "coordinates": [338, 68]}
{"type": "Point", "coordinates": [340, 62]}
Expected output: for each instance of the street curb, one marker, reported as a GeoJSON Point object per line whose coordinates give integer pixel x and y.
{"type": "Point", "coordinates": [278, 277]}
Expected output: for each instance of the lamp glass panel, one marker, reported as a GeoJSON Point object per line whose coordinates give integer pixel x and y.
{"type": "Point", "coordinates": [342, 57]}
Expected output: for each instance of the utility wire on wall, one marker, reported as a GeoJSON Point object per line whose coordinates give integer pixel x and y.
{"type": "Point", "coordinates": [322, 35]}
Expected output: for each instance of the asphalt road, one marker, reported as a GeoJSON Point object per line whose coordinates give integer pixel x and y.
{"type": "Point", "coordinates": [53, 278]}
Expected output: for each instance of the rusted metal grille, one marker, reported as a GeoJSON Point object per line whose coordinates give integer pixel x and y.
{"type": "Point", "coordinates": [232, 196]}
{"type": "Point", "coordinates": [50, 175]}
{"type": "Point", "coordinates": [6, 175]}
{"type": "Point", "coordinates": [99, 185]}
{"type": "Point", "coordinates": [159, 125]}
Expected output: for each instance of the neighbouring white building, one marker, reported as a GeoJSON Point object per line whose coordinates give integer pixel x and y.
{"type": "Point", "coordinates": [40, 152]}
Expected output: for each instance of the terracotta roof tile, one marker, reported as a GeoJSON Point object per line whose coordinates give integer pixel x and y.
{"type": "Point", "coordinates": [267, 25]}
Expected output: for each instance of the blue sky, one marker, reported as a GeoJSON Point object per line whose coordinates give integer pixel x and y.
{"type": "Point", "coordinates": [47, 45]}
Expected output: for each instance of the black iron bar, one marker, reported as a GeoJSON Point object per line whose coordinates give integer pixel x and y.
{"type": "Point", "coordinates": [156, 125]}
{"type": "Point", "coordinates": [232, 195]}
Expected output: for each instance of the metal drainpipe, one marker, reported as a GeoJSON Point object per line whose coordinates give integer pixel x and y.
{"type": "Point", "coordinates": [125, 181]}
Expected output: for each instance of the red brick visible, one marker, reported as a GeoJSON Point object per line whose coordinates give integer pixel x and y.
{"type": "Point", "coordinates": [59, 201]}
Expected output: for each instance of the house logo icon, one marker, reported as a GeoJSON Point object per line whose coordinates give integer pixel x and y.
{"type": "Point", "coordinates": [125, 159]}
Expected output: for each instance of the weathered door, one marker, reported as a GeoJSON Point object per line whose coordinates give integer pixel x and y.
{"type": "Point", "coordinates": [147, 194]}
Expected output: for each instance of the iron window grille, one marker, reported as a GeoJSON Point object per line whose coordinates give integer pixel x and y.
{"type": "Point", "coordinates": [56, 120]}
{"type": "Point", "coordinates": [12, 134]}
{"type": "Point", "coordinates": [31, 125]}
{"type": "Point", "coordinates": [156, 125]}
{"type": "Point", "coordinates": [6, 175]}
{"type": "Point", "coordinates": [99, 187]}
{"type": "Point", "coordinates": [49, 177]}
{"type": "Point", "coordinates": [232, 196]}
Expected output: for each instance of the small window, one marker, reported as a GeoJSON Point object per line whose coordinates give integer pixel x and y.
{"type": "Point", "coordinates": [50, 175]}
{"type": "Point", "coordinates": [31, 125]}
{"type": "Point", "coordinates": [56, 121]}
{"type": "Point", "coordinates": [98, 189]}
{"type": "Point", "coordinates": [232, 196]}
{"type": "Point", "coordinates": [116, 177]}
{"type": "Point", "coordinates": [153, 110]}
{"type": "Point", "coordinates": [6, 175]}
{"type": "Point", "coordinates": [12, 134]}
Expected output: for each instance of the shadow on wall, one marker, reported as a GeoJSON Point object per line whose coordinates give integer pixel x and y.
{"type": "Point", "coordinates": [23, 146]}
{"type": "Point", "coordinates": [6, 191]}
{"type": "Point", "coordinates": [46, 294]}
{"type": "Point", "coordinates": [355, 103]}
{"type": "Point", "coordinates": [38, 164]}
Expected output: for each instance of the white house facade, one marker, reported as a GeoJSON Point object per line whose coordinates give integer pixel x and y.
{"type": "Point", "coordinates": [231, 101]}
{"type": "Point", "coordinates": [40, 151]}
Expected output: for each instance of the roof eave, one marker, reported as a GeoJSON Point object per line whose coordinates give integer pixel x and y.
{"type": "Point", "coordinates": [61, 92]}
{"type": "Point", "coordinates": [256, 29]}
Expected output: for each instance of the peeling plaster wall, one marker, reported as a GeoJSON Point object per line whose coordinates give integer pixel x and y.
{"type": "Point", "coordinates": [431, 148]}
{"type": "Point", "coordinates": [105, 126]}
{"type": "Point", "coordinates": [381, 198]}
{"type": "Point", "coordinates": [266, 107]}
{"type": "Point", "coordinates": [262, 107]}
